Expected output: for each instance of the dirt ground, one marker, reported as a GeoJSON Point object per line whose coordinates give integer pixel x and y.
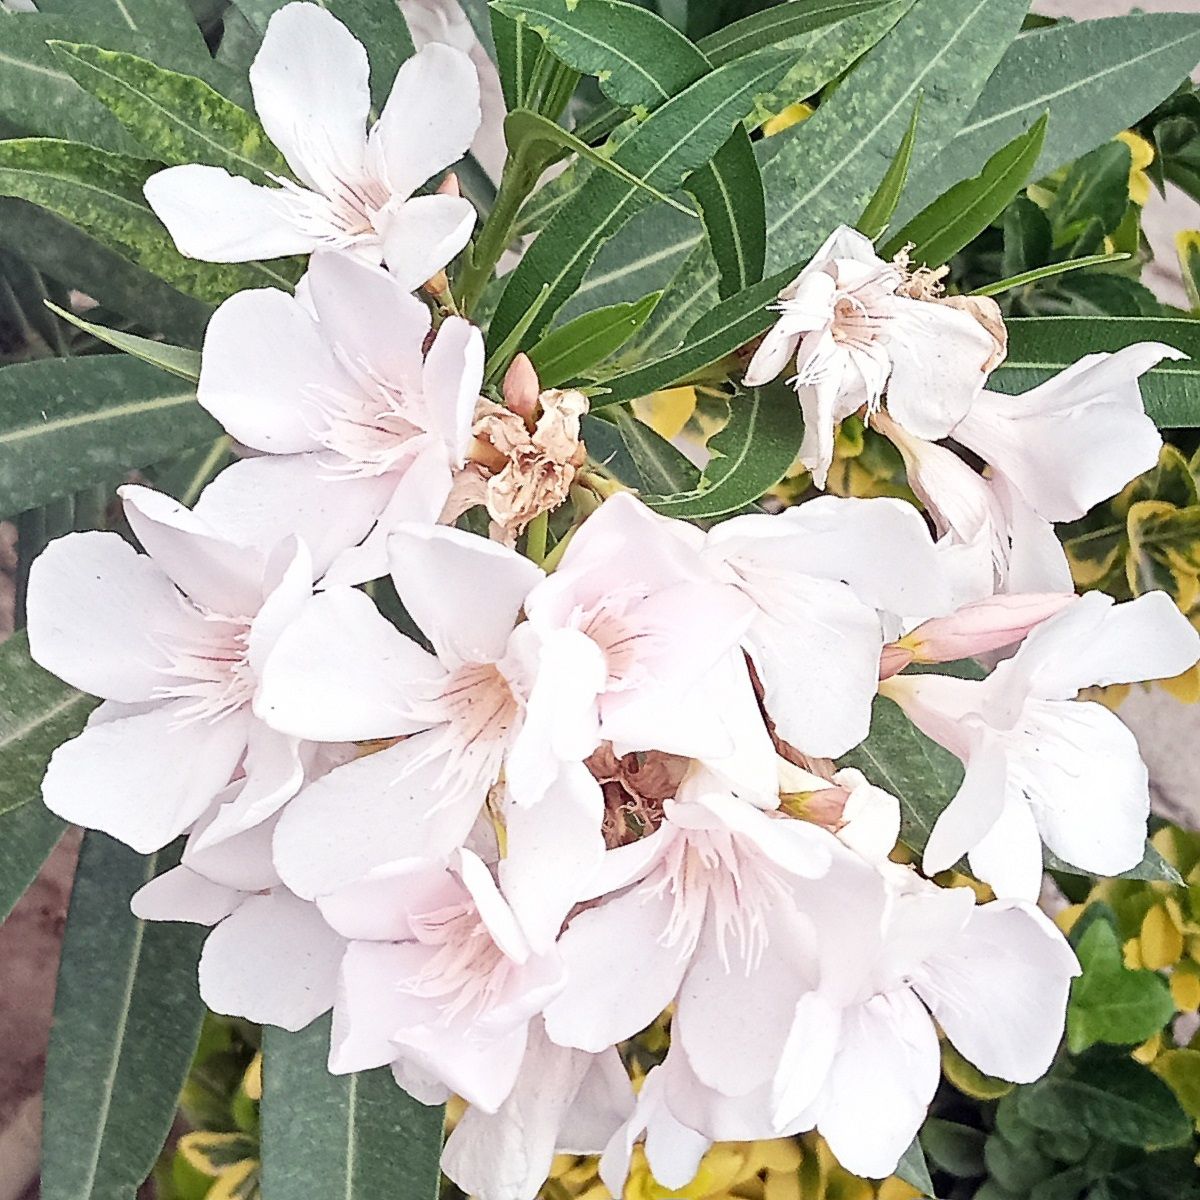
{"type": "Point", "coordinates": [29, 940]}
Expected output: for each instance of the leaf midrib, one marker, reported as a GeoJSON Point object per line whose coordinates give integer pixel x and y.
{"type": "Point", "coordinates": [132, 408]}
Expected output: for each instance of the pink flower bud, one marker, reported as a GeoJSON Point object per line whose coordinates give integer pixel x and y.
{"type": "Point", "coordinates": [449, 186]}
{"type": "Point", "coordinates": [521, 387]}
{"type": "Point", "coordinates": [975, 629]}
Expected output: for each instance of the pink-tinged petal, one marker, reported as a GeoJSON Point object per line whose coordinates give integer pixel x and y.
{"type": "Point", "coordinates": [261, 501]}
{"type": "Point", "coordinates": [880, 1085]}
{"type": "Point", "coordinates": [207, 567]}
{"type": "Point", "coordinates": [1009, 855]}
{"type": "Point", "coordinates": [183, 895]}
{"type": "Point", "coordinates": [451, 381]}
{"type": "Point", "coordinates": [1077, 438]}
{"type": "Point", "coordinates": [943, 707]}
{"type": "Point", "coordinates": [1037, 561]}
{"type": "Point", "coordinates": [242, 862]}
{"type": "Point", "coordinates": [428, 121]}
{"type": "Point", "coordinates": [480, 1069]}
{"type": "Point", "coordinates": [294, 957]}
{"type": "Point", "coordinates": [290, 570]}
{"type": "Point", "coordinates": [377, 326]}
{"type": "Point", "coordinates": [274, 774]}
{"type": "Point", "coordinates": [217, 217]}
{"type": "Point", "coordinates": [494, 912]}
{"type": "Point", "coordinates": [309, 81]}
{"type": "Point", "coordinates": [419, 495]}
{"type": "Point", "coordinates": [264, 358]}
{"type": "Point", "coordinates": [463, 591]}
{"type": "Point", "coordinates": [999, 990]}
{"type": "Point", "coordinates": [419, 1084]}
{"type": "Point", "coordinates": [619, 976]}
{"type": "Point", "coordinates": [814, 1031]}
{"type": "Point", "coordinates": [422, 235]}
{"type": "Point", "coordinates": [939, 359]}
{"type": "Point", "coordinates": [772, 356]}
{"type": "Point", "coordinates": [125, 778]}
{"type": "Point", "coordinates": [342, 672]}
{"type": "Point", "coordinates": [604, 1101]}
{"type": "Point", "coordinates": [976, 807]}
{"type": "Point", "coordinates": [554, 849]}
{"type": "Point", "coordinates": [382, 907]}
{"type": "Point", "coordinates": [376, 810]}
{"type": "Point", "coordinates": [507, 1155]}
{"type": "Point", "coordinates": [369, 994]}
{"type": "Point", "coordinates": [991, 624]}
{"type": "Point", "coordinates": [99, 615]}
{"type": "Point", "coordinates": [628, 864]}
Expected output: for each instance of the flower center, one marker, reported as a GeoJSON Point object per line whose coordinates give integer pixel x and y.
{"type": "Point", "coordinates": [213, 670]}
{"type": "Point", "coordinates": [622, 641]}
{"type": "Point", "coordinates": [467, 970]}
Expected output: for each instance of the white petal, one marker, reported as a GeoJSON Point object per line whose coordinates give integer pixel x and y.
{"type": "Point", "coordinates": [274, 962]}
{"type": "Point", "coordinates": [428, 121]}
{"type": "Point", "coordinates": [217, 217]}
{"type": "Point", "coordinates": [369, 991]}
{"type": "Point", "coordinates": [383, 906]}
{"type": "Point", "coordinates": [480, 1069]}
{"type": "Point", "coordinates": [1009, 855]}
{"type": "Point", "coordinates": [183, 895]}
{"type": "Point", "coordinates": [371, 812]}
{"type": "Point", "coordinates": [99, 615]}
{"type": "Point", "coordinates": [976, 807]}
{"type": "Point", "coordinates": [342, 672]}
{"type": "Point", "coordinates": [619, 976]}
{"type": "Point", "coordinates": [938, 357]}
{"type": "Point", "coordinates": [814, 1033]}
{"type": "Point", "coordinates": [242, 862]}
{"type": "Point", "coordinates": [999, 990]}
{"type": "Point", "coordinates": [772, 356]}
{"type": "Point", "coordinates": [309, 81]}
{"type": "Point", "coordinates": [377, 326]}
{"type": "Point", "coordinates": [124, 776]}
{"type": "Point", "coordinates": [1037, 561]}
{"type": "Point", "coordinates": [1077, 438]}
{"type": "Point", "coordinates": [423, 234]}
{"type": "Point", "coordinates": [205, 565]}
{"type": "Point", "coordinates": [463, 591]}
{"type": "Point", "coordinates": [452, 378]}
{"type": "Point", "coordinates": [603, 1102]}
{"type": "Point", "coordinates": [263, 357]}
{"type": "Point", "coordinates": [880, 1085]}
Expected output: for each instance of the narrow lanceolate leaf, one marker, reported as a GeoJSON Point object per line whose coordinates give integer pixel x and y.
{"type": "Point", "coordinates": [68, 423]}
{"type": "Point", "coordinates": [750, 455]}
{"type": "Point", "coordinates": [517, 50]}
{"type": "Point", "coordinates": [176, 118]}
{"type": "Point", "coordinates": [878, 214]}
{"type": "Point", "coordinates": [968, 208]}
{"type": "Point", "coordinates": [914, 1170]}
{"type": "Point", "coordinates": [168, 25]}
{"type": "Point", "coordinates": [676, 139]}
{"type": "Point", "coordinates": [37, 714]}
{"type": "Point", "coordinates": [659, 467]}
{"type": "Point", "coordinates": [1047, 272]}
{"type": "Point", "coordinates": [126, 1018]}
{"type": "Point", "coordinates": [1040, 347]}
{"type": "Point", "coordinates": [102, 194]}
{"type": "Point", "coordinates": [1094, 78]}
{"type": "Point", "coordinates": [576, 347]}
{"type": "Point", "coordinates": [353, 1137]}
{"type": "Point", "coordinates": [819, 172]}
{"type": "Point", "coordinates": [27, 835]}
{"type": "Point", "coordinates": [733, 208]}
{"type": "Point", "coordinates": [175, 360]}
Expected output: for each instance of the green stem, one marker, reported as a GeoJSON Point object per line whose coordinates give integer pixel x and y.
{"type": "Point", "coordinates": [536, 536]}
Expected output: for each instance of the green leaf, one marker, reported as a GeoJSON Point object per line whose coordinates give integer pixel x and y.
{"type": "Point", "coordinates": [1180, 1070]}
{"type": "Point", "coordinates": [102, 194]}
{"type": "Point", "coordinates": [659, 466]}
{"type": "Point", "coordinates": [1187, 247]}
{"type": "Point", "coordinates": [176, 118]}
{"type": "Point", "coordinates": [126, 1019]}
{"type": "Point", "coordinates": [568, 351]}
{"type": "Point", "coordinates": [1047, 272]}
{"type": "Point", "coordinates": [1096, 188]}
{"type": "Point", "coordinates": [1111, 1097]}
{"type": "Point", "coordinates": [37, 714]}
{"type": "Point", "coordinates": [955, 1148]}
{"type": "Point", "coordinates": [175, 360]}
{"type": "Point", "coordinates": [676, 139]}
{"type": "Point", "coordinates": [1040, 347]}
{"type": "Point", "coordinates": [914, 1170]}
{"type": "Point", "coordinates": [378, 24]}
{"type": "Point", "coordinates": [354, 1136]}
{"type": "Point", "coordinates": [27, 836]}
{"type": "Point", "coordinates": [68, 423]}
{"type": "Point", "coordinates": [1094, 78]}
{"type": "Point", "coordinates": [751, 454]}
{"type": "Point", "coordinates": [517, 50]}
{"type": "Point", "coordinates": [878, 214]}
{"type": "Point", "coordinates": [1110, 1003]}
{"type": "Point", "coordinates": [732, 205]}
{"type": "Point", "coordinates": [168, 25]}
{"type": "Point", "coordinates": [969, 207]}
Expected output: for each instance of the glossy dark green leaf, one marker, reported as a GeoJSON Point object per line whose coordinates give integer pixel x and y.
{"type": "Point", "coordinates": [517, 49]}
{"type": "Point", "coordinates": [878, 214]}
{"type": "Point", "coordinates": [68, 423]}
{"type": "Point", "coordinates": [127, 1014]}
{"type": "Point", "coordinates": [356, 1137]}
{"type": "Point", "coordinates": [952, 1147]}
{"type": "Point", "coordinates": [1109, 1002]}
{"type": "Point", "coordinates": [1040, 347]}
{"type": "Point", "coordinates": [102, 194]}
{"type": "Point", "coordinates": [168, 25]}
{"type": "Point", "coordinates": [175, 118]}
{"type": "Point", "coordinates": [569, 351]}
{"type": "Point", "coordinates": [179, 361]}
{"type": "Point", "coordinates": [750, 455]}
{"type": "Point", "coordinates": [732, 205]}
{"type": "Point", "coordinates": [660, 467]}
{"type": "Point", "coordinates": [968, 208]}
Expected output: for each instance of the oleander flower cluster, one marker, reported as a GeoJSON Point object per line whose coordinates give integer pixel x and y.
{"type": "Point", "coordinates": [499, 811]}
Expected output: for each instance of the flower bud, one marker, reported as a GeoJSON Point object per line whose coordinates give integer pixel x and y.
{"type": "Point", "coordinates": [521, 387]}
{"type": "Point", "coordinates": [449, 186]}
